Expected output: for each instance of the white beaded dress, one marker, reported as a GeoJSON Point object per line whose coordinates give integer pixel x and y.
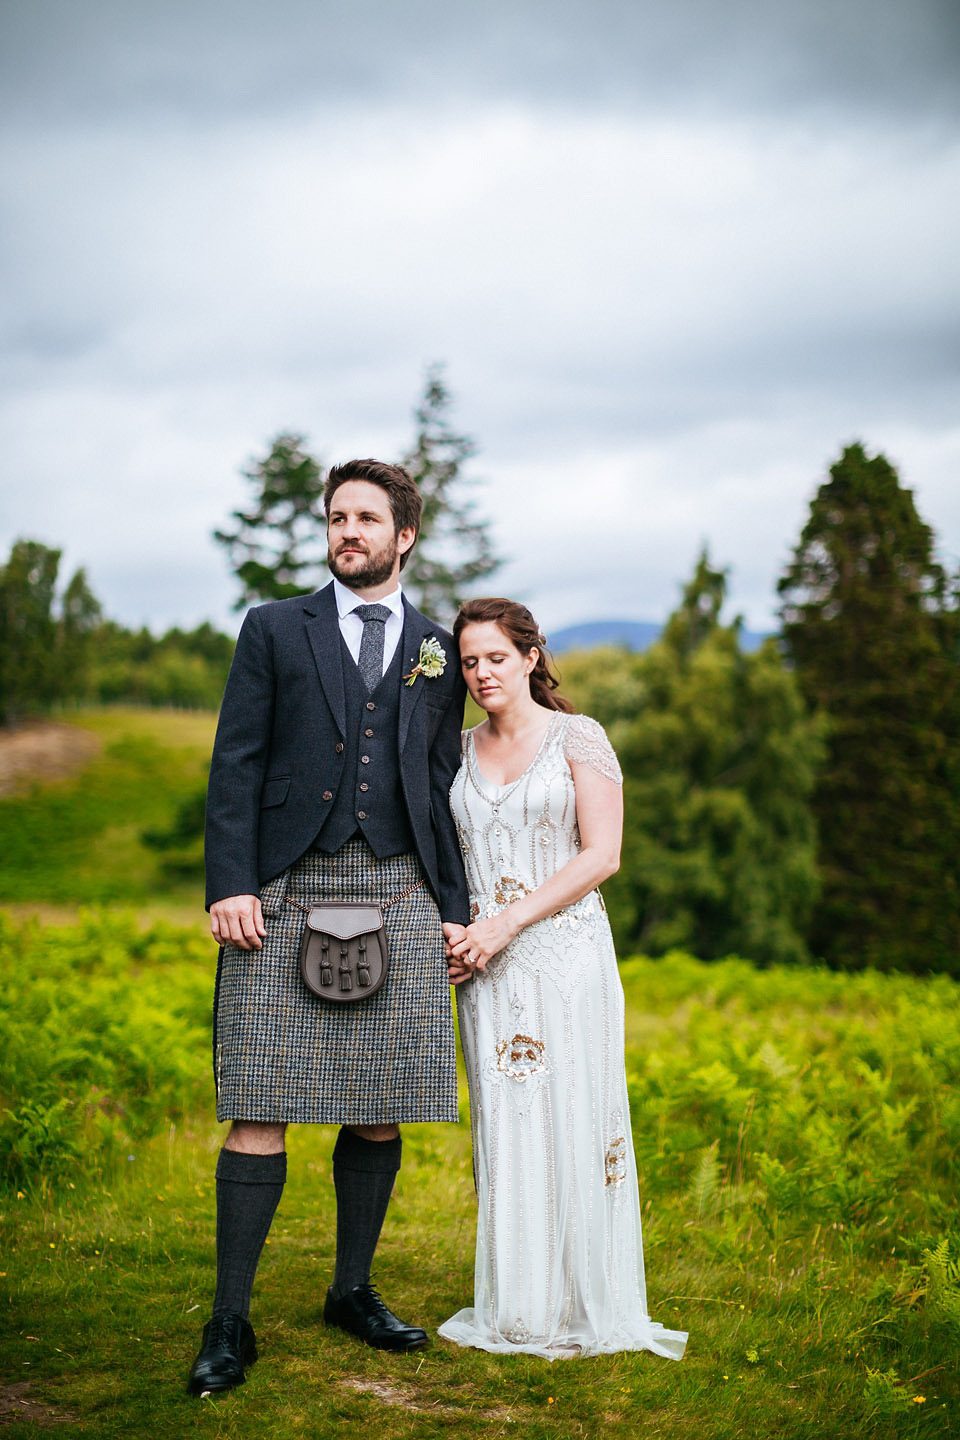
{"type": "Point", "coordinates": [559, 1261]}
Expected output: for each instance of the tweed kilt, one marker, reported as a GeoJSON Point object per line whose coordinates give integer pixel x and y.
{"type": "Point", "coordinates": [283, 1054]}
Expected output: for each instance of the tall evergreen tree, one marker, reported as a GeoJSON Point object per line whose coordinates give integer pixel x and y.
{"type": "Point", "coordinates": [719, 755]}
{"type": "Point", "coordinates": [454, 549]}
{"type": "Point", "coordinates": [870, 625]}
{"type": "Point", "coordinates": [277, 547]}
{"type": "Point", "coordinates": [80, 618]}
{"type": "Point", "coordinates": [44, 640]}
{"type": "Point", "coordinates": [28, 629]}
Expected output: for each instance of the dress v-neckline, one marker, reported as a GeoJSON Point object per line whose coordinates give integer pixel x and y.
{"type": "Point", "coordinates": [481, 779]}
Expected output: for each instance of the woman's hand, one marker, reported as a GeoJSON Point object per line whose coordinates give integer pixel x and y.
{"type": "Point", "coordinates": [480, 942]}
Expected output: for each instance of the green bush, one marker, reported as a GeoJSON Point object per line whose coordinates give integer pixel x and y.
{"type": "Point", "coordinates": [104, 1031]}
{"type": "Point", "coordinates": [825, 1099]}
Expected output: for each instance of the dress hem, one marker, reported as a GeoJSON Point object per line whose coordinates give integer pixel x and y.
{"type": "Point", "coordinates": [463, 1330]}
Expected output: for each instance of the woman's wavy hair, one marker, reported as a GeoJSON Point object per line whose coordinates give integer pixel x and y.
{"type": "Point", "coordinates": [523, 632]}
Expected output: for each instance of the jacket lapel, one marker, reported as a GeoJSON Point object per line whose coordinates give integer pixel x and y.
{"type": "Point", "coordinates": [416, 629]}
{"type": "Point", "coordinates": [323, 632]}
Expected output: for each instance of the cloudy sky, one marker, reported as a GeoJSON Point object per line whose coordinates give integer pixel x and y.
{"type": "Point", "coordinates": [675, 255]}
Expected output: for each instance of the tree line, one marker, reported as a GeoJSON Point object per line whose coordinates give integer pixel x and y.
{"type": "Point", "coordinates": [793, 802]}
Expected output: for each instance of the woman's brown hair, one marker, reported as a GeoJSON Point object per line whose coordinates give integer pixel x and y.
{"type": "Point", "coordinates": [523, 632]}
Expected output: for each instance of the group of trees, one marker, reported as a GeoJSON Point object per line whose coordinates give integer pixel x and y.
{"type": "Point", "coordinates": [798, 800]}
{"type": "Point", "coordinates": [57, 649]}
{"type": "Point", "coordinates": [719, 754]}
{"type": "Point", "coordinates": [45, 637]}
{"type": "Point", "coordinates": [803, 799]}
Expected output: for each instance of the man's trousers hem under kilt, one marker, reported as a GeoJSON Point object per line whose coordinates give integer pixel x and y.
{"type": "Point", "coordinates": [283, 1055]}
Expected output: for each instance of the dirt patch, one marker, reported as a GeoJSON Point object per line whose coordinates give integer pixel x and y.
{"type": "Point", "coordinates": [15, 1404]}
{"type": "Point", "coordinates": [405, 1396]}
{"type": "Point", "coordinates": [43, 753]}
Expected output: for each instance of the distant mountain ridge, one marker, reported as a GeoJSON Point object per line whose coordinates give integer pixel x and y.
{"type": "Point", "coordinates": [633, 634]}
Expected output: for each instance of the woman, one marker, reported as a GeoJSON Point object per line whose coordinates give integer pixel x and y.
{"type": "Point", "coordinates": [538, 805]}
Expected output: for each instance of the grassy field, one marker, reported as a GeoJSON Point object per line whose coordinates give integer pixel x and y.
{"type": "Point", "coordinates": [797, 1133]}
{"type": "Point", "coordinates": [77, 839]}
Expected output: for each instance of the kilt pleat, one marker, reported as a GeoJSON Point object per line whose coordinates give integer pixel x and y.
{"type": "Point", "coordinates": [283, 1054]}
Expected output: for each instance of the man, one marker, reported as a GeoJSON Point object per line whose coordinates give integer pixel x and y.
{"type": "Point", "coordinates": [334, 756]}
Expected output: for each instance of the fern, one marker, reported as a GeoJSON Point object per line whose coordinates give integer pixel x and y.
{"type": "Point", "coordinates": [942, 1271]}
{"type": "Point", "coordinates": [705, 1184]}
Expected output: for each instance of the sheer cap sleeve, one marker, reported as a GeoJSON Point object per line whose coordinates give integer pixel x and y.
{"type": "Point", "coordinates": [585, 743]}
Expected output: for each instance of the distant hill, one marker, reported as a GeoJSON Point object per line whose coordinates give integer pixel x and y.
{"type": "Point", "coordinates": [633, 634]}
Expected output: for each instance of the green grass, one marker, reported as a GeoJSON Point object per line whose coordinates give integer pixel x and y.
{"type": "Point", "coordinates": [812, 1308]}
{"type": "Point", "coordinates": [76, 841]}
{"type": "Point", "coordinates": [797, 1133]}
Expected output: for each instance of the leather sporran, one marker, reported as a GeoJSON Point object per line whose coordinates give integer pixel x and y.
{"type": "Point", "coordinates": [344, 954]}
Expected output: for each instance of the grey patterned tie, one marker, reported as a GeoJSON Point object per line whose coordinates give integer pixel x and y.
{"type": "Point", "coordinates": [370, 663]}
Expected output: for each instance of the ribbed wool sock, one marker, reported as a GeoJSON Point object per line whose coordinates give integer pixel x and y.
{"type": "Point", "coordinates": [363, 1174]}
{"type": "Point", "coordinates": [248, 1193]}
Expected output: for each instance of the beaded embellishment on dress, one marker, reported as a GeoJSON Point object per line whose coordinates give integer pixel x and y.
{"type": "Point", "coordinates": [559, 1261]}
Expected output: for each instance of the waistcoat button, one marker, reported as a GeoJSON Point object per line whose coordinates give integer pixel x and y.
{"type": "Point", "coordinates": [364, 759]}
{"type": "Point", "coordinates": [364, 785]}
{"type": "Point", "coordinates": [368, 733]}
{"type": "Point", "coordinates": [361, 814]}
{"type": "Point", "coordinates": [328, 794]}
{"type": "Point", "coordinates": [339, 748]}
{"type": "Point", "coordinates": [370, 705]}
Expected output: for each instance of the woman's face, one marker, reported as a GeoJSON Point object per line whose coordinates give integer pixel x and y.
{"type": "Point", "coordinates": [496, 672]}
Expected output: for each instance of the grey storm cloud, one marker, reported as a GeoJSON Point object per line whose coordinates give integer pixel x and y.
{"type": "Point", "coordinates": [675, 254]}
{"type": "Point", "coordinates": [108, 57]}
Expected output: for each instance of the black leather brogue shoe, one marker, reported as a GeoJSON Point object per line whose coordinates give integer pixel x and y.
{"type": "Point", "coordinates": [361, 1312]}
{"type": "Point", "coordinates": [228, 1345]}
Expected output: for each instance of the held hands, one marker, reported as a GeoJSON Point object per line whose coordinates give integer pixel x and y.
{"type": "Point", "coordinates": [238, 920]}
{"type": "Point", "coordinates": [470, 948]}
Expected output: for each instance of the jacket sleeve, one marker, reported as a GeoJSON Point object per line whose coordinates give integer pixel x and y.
{"type": "Point", "coordinates": [238, 766]}
{"type": "Point", "coordinates": [444, 764]}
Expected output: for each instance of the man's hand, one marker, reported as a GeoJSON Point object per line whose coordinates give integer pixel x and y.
{"type": "Point", "coordinates": [238, 920]}
{"type": "Point", "coordinates": [456, 969]}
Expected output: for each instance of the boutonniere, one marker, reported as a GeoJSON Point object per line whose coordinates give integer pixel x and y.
{"type": "Point", "coordinates": [431, 663]}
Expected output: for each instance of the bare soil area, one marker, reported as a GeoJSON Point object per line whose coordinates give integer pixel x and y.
{"type": "Point", "coordinates": [43, 752]}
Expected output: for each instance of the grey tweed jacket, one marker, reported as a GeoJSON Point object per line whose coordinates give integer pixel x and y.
{"type": "Point", "coordinates": [278, 756]}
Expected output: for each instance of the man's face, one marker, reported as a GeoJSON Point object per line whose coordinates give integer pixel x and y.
{"type": "Point", "coordinates": [363, 548]}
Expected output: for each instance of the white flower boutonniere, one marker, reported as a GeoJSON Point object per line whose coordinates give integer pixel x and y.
{"type": "Point", "coordinates": [432, 661]}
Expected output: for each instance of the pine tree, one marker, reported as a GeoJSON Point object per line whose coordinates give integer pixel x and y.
{"type": "Point", "coordinates": [44, 641]}
{"type": "Point", "coordinates": [869, 623]}
{"type": "Point", "coordinates": [454, 549]}
{"type": "Point", "coordinates": [277, 548]}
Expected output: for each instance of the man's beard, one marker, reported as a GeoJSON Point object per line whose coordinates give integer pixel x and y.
{"type": "Point", "coordinates": [377, 567]}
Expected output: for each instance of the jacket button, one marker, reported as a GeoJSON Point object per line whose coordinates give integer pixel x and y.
{"type": "Point", "coordinates": [364, 786]}
{"type": "Point", "coordinates": [328, 794]}
{"type": "Point", "coordinates": [361, 814]}
{"type": "Point", "coordinates": [339, 747]}
{"type": "Point", "coordinates": [364, 759]}
{"type": "Point", "coordinates": [370, 705]}
{"type": "Point", "coordinates": [369, 734]}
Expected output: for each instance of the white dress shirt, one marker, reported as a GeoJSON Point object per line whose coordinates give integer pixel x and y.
{"type": "Point", "coordinates": [351, 626]}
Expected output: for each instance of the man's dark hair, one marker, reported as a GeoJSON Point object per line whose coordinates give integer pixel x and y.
{"type": "Point", "coordinates": [406, 502]}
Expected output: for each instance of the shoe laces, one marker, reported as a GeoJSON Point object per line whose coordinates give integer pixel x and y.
{"type": "Point", "coordinates": [224, 1326]}
{"type": "Point", "coordinates": [371, 1293]}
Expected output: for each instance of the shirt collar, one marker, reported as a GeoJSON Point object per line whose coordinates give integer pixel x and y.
{"type": "Point", "coordinates": [348, 600]}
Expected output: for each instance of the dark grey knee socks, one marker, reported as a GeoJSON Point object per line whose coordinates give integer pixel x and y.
{"type": "Point", "coordinates": [248, 1193]}
{"type": "Point", "coordinates": [363, 1173]}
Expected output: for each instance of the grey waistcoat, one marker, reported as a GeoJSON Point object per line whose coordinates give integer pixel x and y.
{"type": "Point", "coordinates": [379, 811]}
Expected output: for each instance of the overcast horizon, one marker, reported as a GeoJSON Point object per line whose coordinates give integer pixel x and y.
{"type": "Point", "coordinates": [673, 257]}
